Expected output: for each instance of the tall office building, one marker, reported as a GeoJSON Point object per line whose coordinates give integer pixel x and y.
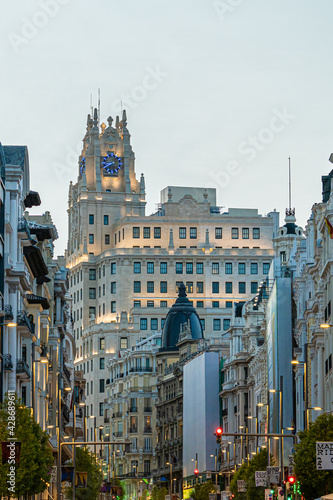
{"type": "Point", "coordinates": [125, 266]}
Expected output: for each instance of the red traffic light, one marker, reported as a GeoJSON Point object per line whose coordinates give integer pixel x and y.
{"type": "Point", "coordinates": [291, 479]}
{"type": "Point", "coordinates": [219, 431]}
{"type": "Point", "coordinates": [196, 472]}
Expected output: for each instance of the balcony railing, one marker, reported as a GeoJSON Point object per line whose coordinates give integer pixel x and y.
{"type": "Point", "coordinates": [140, 369]}
{"type": "Point", "coordinates": [23, 368]}
{"type": "Point", "coordinates": [147, 430]}
{"type": "Point", "coordinates": [135, 388]}
{"type": "Point", "coordinates": [133, 409]}
{"type": "Point", "coordinates": [147, 409]}
{"type": "Point", "coordinates": [118, 434]}
{"type": "Point", "coordinates": [65, 412]}
{"type": "Point", "coordinates": [67, 373]}
{"type": "Point", "coordinates": [132, 430]}
{"type": "Point", "coordinates": [117, 414]}
{"type": "Point", "coordinates": [23, 320]}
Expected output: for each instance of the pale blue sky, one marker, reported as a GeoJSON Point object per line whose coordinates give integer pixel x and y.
{"type": "Point", "coordinates": [226, 73]}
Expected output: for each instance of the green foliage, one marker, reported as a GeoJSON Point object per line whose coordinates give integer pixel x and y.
{"type": "Point", "coordinates": [314, 483]}
{"type": "Point", "coordinates": [158, 493]}
{"type": "Point", "coordinates": [117, 482]}
{"type": "Point", "coordinates": [247, 473]}
{"type": "Point", "coordinates": [145, 494]}
{"type": "Point", "coordinates": [36, 458]}
{"type": "Point", "coordinates": [86, 462]}
{"type": "Point", "coordinates": [201, 491]}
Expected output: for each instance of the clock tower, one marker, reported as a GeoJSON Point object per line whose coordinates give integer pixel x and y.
{"type": "Point", "coordinates": [107, 188]}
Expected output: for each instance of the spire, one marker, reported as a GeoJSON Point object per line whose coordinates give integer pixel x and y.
{"type": "Point", "coordinates": [290, 212]}
{"type": "Point", "coordinates": [124, 120]}
{"type": "Point", "coordinates": [142, 184]}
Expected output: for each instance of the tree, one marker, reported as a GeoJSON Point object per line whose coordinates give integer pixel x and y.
{"type": "Point", "coordinates": [201, 491]}
{"type": "Point", "coordinates": [86, 462]}
{"type": "Point", "coordinates": [313, 483]}
{"type": "Point", "coordinates": [158, 493]}
{"type": "Point", "coordinates": [32, 473]}
{"type": "Point", "coordinates": [247, 473]}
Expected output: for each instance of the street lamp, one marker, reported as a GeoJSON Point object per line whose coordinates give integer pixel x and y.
{"type": "Point", "coordinates": [170, 464]}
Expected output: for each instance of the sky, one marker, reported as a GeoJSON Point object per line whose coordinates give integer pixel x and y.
{"type": "Point", "coordinates": [218, 93]}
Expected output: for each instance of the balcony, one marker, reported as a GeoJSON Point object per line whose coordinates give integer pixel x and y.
{"type": "Point", "coordinates": [146, 369]}
{"type": "Point", "coordinates": [118, 414]}
{"type": "Point", "coordinates": [147, 409]}
{"type": "Point", "coordinates": [22, 369]}
{"type": "Point", "coordinates": [7, 363]}
{"type": "Point", "coordinates": [118, 434]}
{"type": "Point", "coordinates": [147, 430]}
{"type": "Point", "coordinates": [224, 412]}
{"type": "Point", "coordinates": [133, 430]}
{"type": "Point", "coordinates": [67, 373]}
{"type": "Point", "coordinates": [106, 420]}
{"type": "Point", "coordinates": [24, 321]}
{"type": "Point", "coordinates": [135, 388]}
{"type": "Point", "coordinates": [133, 409]}
{"type": "Point", "coordinates": [65, 412]}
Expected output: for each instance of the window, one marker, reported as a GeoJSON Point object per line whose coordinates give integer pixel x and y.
{"type": "Point", "coordinates": [164, 287]}
{"type": "Point", "coordinates": [163, 303]}
{"type": "Point", "coordinates": [107, 239]}
{"type": "Point", "coordinates": [101, 363]}
{"type": "Point", "coordinates": [215, 268]}
{"type": "Point", "coordinates": [189, 286]}
{"type": "Point", "coordinates": [137, 287]}
{"type": "Point", "coordinates": [136, 232]}
{"type": "Point", "coordinates": [193, 233]}
{"type": "Point", "coordinates": [182, 233]}
{"type": "Point", "coordinates": [265, 268]}
{"type": "Point", "coordinates": [200, 303]}
{"type": "Point", "coordinates": [92, 274]}
{"type": "Point", "coordinates": [92, 311]}
{"type": "Point", "coordinates": [157, 233]}
{"type": "Point", "coordinates": [123, 343]}
{"type": "Point", "coordinates": [146, 232]}
{"type": "Point", "coordinates": [154, 324]}
{"type": "Point", "coordinates": [113, 306]}
{"type": "Point", "coordinates": [178, 283]}
{"type": "Point", "coordinates": [228, 268]}
{"type": "Point", "coordinates": [113, 287]}
{"type": "Point", "coordinates": [199, 267]}
{"type": "Point", "coordinates": [146, 467]}
{"type": "Point", "coordinates": [226, 324]}
{"type": "Point", "coordinates": [189, 267]}
{"type": "Point", "coordinates": [254, 268]}
{"type": "Point", "coordinates": [113, 268]}
{"type": "Point", "coordinates": [216, 324]}
{"type": "Point", "coordinates": [150, 267]}
{"type": "Point", "coordinates": [163, 267]}
{"type": "Point", "coordinates": [137, 303]}
{"type": "Point", "coordinates": [106, 220]}
{"type": "Point", "coordinates": [241, 268]}
{"type": "Point", "coordinates": [92, 293]}
{"type": "Point", "coordinates": [245, 233]}
{"type": "Point", "coordinates": [242, 287]}
{"type": "Point", "coordinates": [102, 344]}
{"type": "Point", "coordinates": [91, 239]}
{"type": "Point", "coordinates": [101, 409]}
{"type": "Point", "coordinates": [254, 286]}
{"type": "Point", "coordinates": [137, 267]}
{"type": "Point", "coordinates": [215, 303]}
{"type": "Point", "coordinates": [228, 304]}
{"type": "Point", "coordinates": [215, 287]}
{"type": "Point", "coordinates": [234, 233]}
{"type": "Point", "coordinates": [150, 287]}
{"type": "Point", "coordinates": [256, 233]}
{"type": "Point", "coordinates": [228, 287]}
{"type": "Point", "coordinates": [179, 268]}
{"type": "Point", "coordinates": [143, 324]}
{"type": "Point", "coordinates": [101, 385]}
{"type": "Point", "coordinates": [200, 287]}
{"type": "Point", "coordinates": [115, 238]}
{"type": "Point", "coordinates": [202, 321]}
{"type": "Point", "coordinates": [218, 233]}
{"type": "Point", "coordinates": [91, 218]}
{"type": "Point", "coordinates": [162, 324]}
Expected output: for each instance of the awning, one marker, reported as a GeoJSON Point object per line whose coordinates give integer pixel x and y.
{"type": "Point", "coordinates": [36, 299]}
{"type": "Point", "coordinates": [35, 261]}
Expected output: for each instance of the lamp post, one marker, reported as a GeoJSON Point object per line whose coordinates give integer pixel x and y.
{"type": "Point", "coordinates": [170, 465]}
{"type": "Point", "coordinates": [295, 362]}
{"type": "Point", "coordinates": [261, 405]}
{"type": "Point", "coordinates": [215, 457]}
{"type": "Point", "coordinates": [280, 391]}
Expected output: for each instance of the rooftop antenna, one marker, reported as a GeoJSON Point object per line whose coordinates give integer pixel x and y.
{"type": "Point", "coordinates": [99, 105]}
{"type": "Point", "coordinates": [91, 106]}
{"type": "Point", "coordinates": [290, 211]}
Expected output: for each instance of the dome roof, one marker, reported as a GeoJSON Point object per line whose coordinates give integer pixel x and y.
{"type": "Point", "coordinates": [291, 228]}
{"type": "Point", "coordinates": [182, 312]}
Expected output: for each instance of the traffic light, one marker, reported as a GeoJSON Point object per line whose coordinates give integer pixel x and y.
{"type": "Point", "coordinates": [291, 480]}
{"type": "Point", "coordinates": [218, 434]}
{"type": "Point", "coordinates": [196, 472]}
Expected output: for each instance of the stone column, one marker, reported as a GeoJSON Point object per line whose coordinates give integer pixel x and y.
{"type": "Point", "coordinates": [14, 224]}
{"type": "Point", "coordinates": [12, 335]}
{"type": "Point", "coordinates": [321, 376]}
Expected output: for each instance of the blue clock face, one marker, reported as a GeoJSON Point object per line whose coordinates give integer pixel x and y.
{"type": "Point", "coordinates": [112, 163]}
{"type": "Point", "coordinates": [82, 165]}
